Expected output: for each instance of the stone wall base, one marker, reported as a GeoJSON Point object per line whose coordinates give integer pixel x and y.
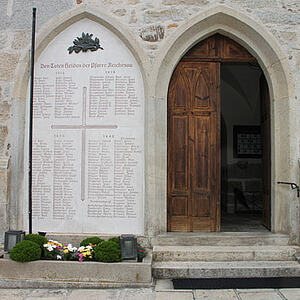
{"type": "Point", "coordinates": [63, 274]}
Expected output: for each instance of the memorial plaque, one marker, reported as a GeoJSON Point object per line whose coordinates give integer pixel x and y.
{"type": "Point", "coordinates": [88, 145]}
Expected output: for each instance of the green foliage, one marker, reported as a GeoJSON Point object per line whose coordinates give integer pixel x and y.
{"type": "Point", "coordinates": [50, 255]}
{"type": "Point", "coordinates": [39, 239]}
{"type": "Point", "coordinates": [92, 241]}
{"type": "Point", "coordinates": [25, 251]}
{"type": "Point", "coordinates": [108, 251]}
{"type": "Point", "coordinates": [115, 239]}
{"type": "Point", "coordinates": [36, 238]}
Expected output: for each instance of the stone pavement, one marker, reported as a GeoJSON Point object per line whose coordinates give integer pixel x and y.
{"type": "Point", "coordinates": [162, 291]}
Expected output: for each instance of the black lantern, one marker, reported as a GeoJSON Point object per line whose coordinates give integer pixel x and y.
{"type": "Point", "coordinates": [13, 237]}
{"type": "Point", "coordinates": [128, 245]}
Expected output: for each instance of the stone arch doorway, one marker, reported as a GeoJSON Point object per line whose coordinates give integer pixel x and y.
{"type": "Point", "coordinates": [194, 137]}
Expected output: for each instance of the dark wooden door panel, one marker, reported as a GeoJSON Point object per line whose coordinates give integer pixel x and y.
{"type": "Point", "coordinates": [193, 147]}
{"type": "Point", "coordinates": [202, 154]}
{"type": "Point", "coordinates": [177, 95]}
{"type": "Point", "coordinates": [205, 49]}
{"type": "Point", "coordinates": [230, 50]}
{"type": "Point", "coordinates": [179, 159]}
{"type": "Point", "coordinates": [219, 48]}
{"type": "Point", "coordinates": [179, 224]}
{"type": "Point", "coordinates": [200, 205]}
{"type": "Point", "coordinates": [179, 206]}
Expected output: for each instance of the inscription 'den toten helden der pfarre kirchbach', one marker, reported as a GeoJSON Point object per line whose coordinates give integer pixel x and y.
{"type": "Point", "coordinates": [88, 146]}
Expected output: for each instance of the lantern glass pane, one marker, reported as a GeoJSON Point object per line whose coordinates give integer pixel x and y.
{"type": "Point", "coordinates": [128, 248]}
{"type": "Point", "coordinates": [12, 240]}
{"type": "Point", "coordinates": [22, 236]}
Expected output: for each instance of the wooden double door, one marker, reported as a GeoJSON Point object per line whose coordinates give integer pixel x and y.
{"type": "Point", "coordinates": [194, 152]}
{"type": "Point", "coordinates": [193, 147]}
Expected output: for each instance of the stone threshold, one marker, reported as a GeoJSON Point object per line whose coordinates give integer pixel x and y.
{"type": "Point", "coordinates": [220, 239]}
{"type": "Point", "coordinates": [221, 233]}
{"type": "Point", "coordinates": [71, 274]}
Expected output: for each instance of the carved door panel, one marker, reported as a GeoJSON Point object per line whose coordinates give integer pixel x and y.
{"type": "Point", "coordinates": [193, 147]}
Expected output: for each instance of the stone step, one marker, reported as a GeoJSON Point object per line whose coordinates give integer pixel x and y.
{"type": "Point", "coordinates": [237, 269]}
{"type": "Point", "coordinates": [225, 253]}
{"type": "Point", "coordinates": [220, 239]}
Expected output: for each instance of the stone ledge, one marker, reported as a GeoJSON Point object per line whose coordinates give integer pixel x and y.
{"type": "Point", "coordinates": [243, 269]}
{"type": "Point", "coordinates": [48, 273]}
{"type": "Point", "coordinates": [52, 284]}
{"type": "Point", "coordinates": [224, 253]}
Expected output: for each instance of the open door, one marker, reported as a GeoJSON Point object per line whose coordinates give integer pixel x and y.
{"type": "Point", "coordinates": [193, 147]}
{"type": "Point", "coordinates": [194, 164]}
{"type": "Point", "coordinates": [266, 158]}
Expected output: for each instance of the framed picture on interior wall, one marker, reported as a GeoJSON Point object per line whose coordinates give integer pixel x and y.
{"type": "Point", "coordinates": [247, 141]}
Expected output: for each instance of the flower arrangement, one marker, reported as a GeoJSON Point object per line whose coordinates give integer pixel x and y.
{"type": "Point", "coordinates": [85, 253]}
{"type": "Point", "coordinates": [56, 250]}
{"type": "Point", "coordinates": [91, 249]}
{"type": "Point", "coordinates": [52, 250]}
{"type": "Point", "coordinates": [68, 252]}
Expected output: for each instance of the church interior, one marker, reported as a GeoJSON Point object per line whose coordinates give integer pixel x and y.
{"type": "Point", "coordinates": [241, 148]}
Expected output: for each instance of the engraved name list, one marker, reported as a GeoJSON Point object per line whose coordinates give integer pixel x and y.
{"type": "Point", "coordinates": [88, 148]}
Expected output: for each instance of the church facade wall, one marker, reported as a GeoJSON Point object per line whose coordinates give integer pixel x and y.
{"type": "Point", "coordinates": [158, 33]}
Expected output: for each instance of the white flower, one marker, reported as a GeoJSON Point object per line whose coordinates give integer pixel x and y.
{"type": "Point", "coordinates": [58, 257]}
{"type": "Point", "coordinates": [71, 248]}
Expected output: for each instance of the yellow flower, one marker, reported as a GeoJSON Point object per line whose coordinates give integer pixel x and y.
{"type": "Point", "coordinates": [66, 251]}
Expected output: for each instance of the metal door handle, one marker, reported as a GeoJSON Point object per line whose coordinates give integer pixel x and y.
{"type": "Point", "coordinates": [293, 186]}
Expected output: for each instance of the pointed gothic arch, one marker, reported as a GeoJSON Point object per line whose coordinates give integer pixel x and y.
{"type": "Point", "coordinates": [46, 34]}
{"type": "Point", "coordinates": [259, 42]}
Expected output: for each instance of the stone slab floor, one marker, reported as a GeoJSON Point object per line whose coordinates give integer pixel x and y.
{"type": "Point", "coordinates": [162, 291]}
